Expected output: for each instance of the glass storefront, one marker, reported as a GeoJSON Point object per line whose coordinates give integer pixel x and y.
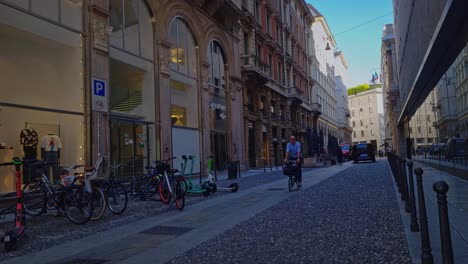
{"type": "Point", "coordinates": [217, 105]}
{"type": "Point", "coordinates": [132, 96]}
{"type": "Point", "coordinates": [184, 93]}
{"type": "Point", "coordinates": [42, 97]}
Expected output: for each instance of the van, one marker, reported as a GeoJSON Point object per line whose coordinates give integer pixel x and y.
{"type": "Point", "coordinates": [363, 151]}
{"type": "Point", "coordinates": [456, 148]}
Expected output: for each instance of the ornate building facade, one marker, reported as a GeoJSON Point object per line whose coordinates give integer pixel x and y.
{"type": "Point", "coordinates": [275, 80]}
{"type": "Point", "coordinates": [132, 80]}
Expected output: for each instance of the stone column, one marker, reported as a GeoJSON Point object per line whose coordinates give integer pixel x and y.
{"type": "Point", "coordinates": [99, 68]}
{"type": "Point", "coordinates": [205, 124]}
{"type": "Point", "coordinates": [165, 100]}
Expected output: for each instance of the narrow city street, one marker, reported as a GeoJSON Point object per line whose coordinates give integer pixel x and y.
{"type": "Point", "coordinates": [343, 214]}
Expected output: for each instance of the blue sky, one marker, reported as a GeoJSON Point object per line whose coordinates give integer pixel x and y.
{"type": "Point", "coordinates": [360, 46]}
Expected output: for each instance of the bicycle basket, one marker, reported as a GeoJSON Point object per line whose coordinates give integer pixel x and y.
{"type": "Point", "coordinates": [289, 170]}
{"type": "Point", "coordinates": [161, 167]}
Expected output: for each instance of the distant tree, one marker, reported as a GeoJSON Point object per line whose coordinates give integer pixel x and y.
{"type": "Point", "coordinates": [362, 88]}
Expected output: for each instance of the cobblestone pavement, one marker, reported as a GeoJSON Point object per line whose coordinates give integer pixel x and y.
{"type": "Point", "coordinates": [352, 217]}
{"type": "Point", "coordinates": [46, 231]}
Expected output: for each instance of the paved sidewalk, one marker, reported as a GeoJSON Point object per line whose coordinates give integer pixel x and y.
{"type": "Point", "coordinates": [458, 215]}
{"type": "Point", "coordinates": [131, 243]}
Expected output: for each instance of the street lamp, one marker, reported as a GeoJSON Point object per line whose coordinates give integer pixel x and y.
{"type": "Point", "coordinates": [435, 107]}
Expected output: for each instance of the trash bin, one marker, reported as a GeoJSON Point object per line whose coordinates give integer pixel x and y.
{"type": "Point", "coordinates": [232, 170]}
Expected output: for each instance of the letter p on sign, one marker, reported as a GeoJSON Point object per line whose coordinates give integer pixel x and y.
{"type": "Point", "coordinates": [99, 88]}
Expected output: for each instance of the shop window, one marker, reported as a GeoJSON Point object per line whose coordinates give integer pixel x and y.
{"type": "Point", "coordinates": [50, 100]}
{"type": "Point", "coordinates": [183, 49]}
{"type": "Point", "coordinates": [131, 22]}
{"type": "Point", "coordinates": [184, 91]}
{"type": "Point", "coordinates": [131, 27]}
{"type": "Point", "coordinates": [20, 3]}
{"type": "Point", "coordinates": [217, 103]}
{"type": "Point", "coordinates": [116, 21]}
{"type": "Point", "coordinates": [46, 8]}
{"type": "Point", "coordinates": [70, 13]}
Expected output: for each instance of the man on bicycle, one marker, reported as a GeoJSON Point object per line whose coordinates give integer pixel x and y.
{"type": "Point", "coordinates": [293, 152]}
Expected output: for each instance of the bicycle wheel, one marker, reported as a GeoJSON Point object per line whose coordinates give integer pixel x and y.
{"type": "Point", "coordinates": [99, 203]}
{"type": "Point", "coordinates": [291, 182]}
{"type": "Point", "coordinates": [117, 198]}
{"type": "Point", "coordinates": [184, 184]}
{"type": "Point", "coordinates": [34, 199]}
{"type": "Point", "coordinates": [78, 204]}
{"type": "Point", "coordinates": [164, 192]}
{"type": "Point", "coordinates": [180, 196]}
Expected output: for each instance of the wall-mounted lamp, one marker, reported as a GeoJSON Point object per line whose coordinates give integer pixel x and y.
{"type": "Point", "coordinates": [328, 46]}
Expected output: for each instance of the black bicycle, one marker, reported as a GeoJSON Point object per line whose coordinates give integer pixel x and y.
{"type": "Point", "coordinates": [291, 170]}
{"type": "Point", "coordinates": [74, 200]}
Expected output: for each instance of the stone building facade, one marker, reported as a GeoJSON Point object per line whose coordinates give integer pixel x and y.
{"type": "Point", "coordinates": [275, 80]}
{"type": "Point", "coordinates": [132, 80]}
{"type": "Point", "coordinates": [367, 117]}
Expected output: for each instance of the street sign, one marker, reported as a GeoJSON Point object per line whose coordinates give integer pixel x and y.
{"type": "Point", "coordinates": [99, 95]}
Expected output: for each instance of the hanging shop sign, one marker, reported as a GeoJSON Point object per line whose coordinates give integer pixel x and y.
{"type": "Point", "coordinates": [213, 106]}
{"type": "Point", "coordinates": [219, 109]}
{"type": "Point", "coordinates": [99, 95]}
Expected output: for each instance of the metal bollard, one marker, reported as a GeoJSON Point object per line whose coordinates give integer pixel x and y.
{"type": "Point", "coordinates": [264, 165]}
{"type": "Point", "coordinates": [441, 188]}
{"type": "Point", "coordinates": [405, 187]}
{"type": "Point", "coordinates": [426, 255]}
{"type": "Point", "coordinates": [414, 217]}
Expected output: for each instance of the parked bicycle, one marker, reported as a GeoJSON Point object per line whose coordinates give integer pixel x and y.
{"type": "Point", "coordinates": [116, 195]}
{"type": "Point", "coordinates": [171, 185]}
{"type": "Point", "coordinates": [99, 199]}
{"type": "Point", "coordinates": [74, 200]}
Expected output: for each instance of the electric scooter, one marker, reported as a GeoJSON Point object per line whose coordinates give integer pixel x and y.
{"type": "Point", "coordinates": [13, 235]}
{"type": "Point", "coordinates": [191, 188]}
{"type": "Point", "coordinates": [211, 184]}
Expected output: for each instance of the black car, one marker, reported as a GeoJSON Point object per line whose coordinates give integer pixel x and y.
{"type": "Point", "coordinates": [363, 151]}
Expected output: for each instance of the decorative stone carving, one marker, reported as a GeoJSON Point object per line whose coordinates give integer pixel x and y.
{"type": "Point", "coordinates": [101, 33]}
{"type": "Point", "coordinates": [164, 61]}
{"type": "Point", "coordinates": [205, 78]}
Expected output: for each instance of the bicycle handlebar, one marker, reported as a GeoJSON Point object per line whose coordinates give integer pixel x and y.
{"type": "Point", "coordinates": [116, 166]}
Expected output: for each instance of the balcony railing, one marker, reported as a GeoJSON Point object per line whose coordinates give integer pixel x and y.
{"type": "Point", "coordinates": [295, 92]}
{"type": "Point", "coordinates": [253, 60]}
{"type": "Point", "coordinates": [274, 116]}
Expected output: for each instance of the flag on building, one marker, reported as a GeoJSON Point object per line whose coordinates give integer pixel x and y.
{"type": "Point", "coordinates": [375, 77]}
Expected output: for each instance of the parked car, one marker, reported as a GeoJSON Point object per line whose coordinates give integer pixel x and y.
{"type": "Point", "coordinates": [346, 150]}
{"type": "Point", "coordinates": [363, 151]}
{"type": "Point", "coordinates": [456, 148]}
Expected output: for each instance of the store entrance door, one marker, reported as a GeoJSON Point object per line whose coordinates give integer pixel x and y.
{"type": "Point", "coordinates": [219, 149]}
{"type": "Point", "coordinates": [252, 146]}
{"type": "Point", "coordinates": [129, 146]}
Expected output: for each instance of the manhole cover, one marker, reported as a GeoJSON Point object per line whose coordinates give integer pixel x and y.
{"type": "Point", "coordinates": [84, 261]}
{"type": "Point", "coordinates": [276, 189]}
{"type": "Point", "coordinates": [167, 230]}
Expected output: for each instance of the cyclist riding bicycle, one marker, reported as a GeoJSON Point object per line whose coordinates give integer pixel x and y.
{"type": "Point", "coordinates": [293, 152]}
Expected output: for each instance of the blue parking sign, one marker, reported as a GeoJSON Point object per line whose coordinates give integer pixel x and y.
{"type": "Point", "coordinates": [99, 87]}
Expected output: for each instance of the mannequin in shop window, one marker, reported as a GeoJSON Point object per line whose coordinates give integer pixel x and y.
{"type": "Point", "coordinates": [29, 140]}
{"type": "Point", "coordinates": [50, 152]}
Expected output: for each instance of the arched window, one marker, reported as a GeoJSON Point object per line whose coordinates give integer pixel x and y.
{"type": "Point", "coordinates": [218, 111]}
{"type": "Point", "coordinates": [184, 92]}
{"type": "Point", "coordinates": [183, 49]}
{"type": "Point", "coordinates": [131, 27]}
